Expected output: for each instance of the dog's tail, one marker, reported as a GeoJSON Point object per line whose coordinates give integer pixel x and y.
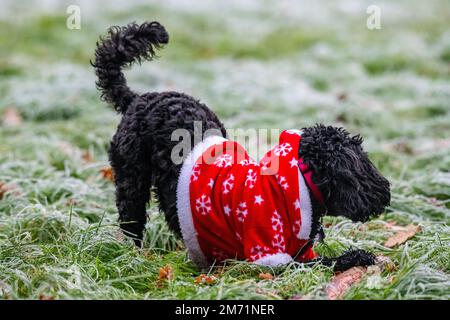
{"type": "Point", "coordinates": [120, 48]}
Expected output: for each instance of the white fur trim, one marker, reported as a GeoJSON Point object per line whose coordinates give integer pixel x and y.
{"type": "Point", "coordinates": [295, 131]}
{"type": "Point", "coordinates": [274, 260]}
{"type": "Point", "coordinates": [305, 208]}
{"type": "Point", "coordinates": [184, 204]}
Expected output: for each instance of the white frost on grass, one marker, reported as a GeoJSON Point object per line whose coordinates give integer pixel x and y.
{"type": "Point", "coordinates": [49, 88]}
{"type": "Point", "coordinates": [269, 82]}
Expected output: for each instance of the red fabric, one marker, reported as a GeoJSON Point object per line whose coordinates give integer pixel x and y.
{"type": "Point", "coordinates": [245, 210]}
{"type": "Point", "coordinates": [307, 174]}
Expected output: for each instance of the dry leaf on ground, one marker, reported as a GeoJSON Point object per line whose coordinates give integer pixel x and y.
{"type": "Point", "coordinates": [205, 279]}
{"type": "Point", "coordinates": [87, 156]}
{"type": "Point", "coordinates": [342, 96]}
{"type": "Point", "coordinates": [166, 273]}
{"type": "Point", "coordinates": [107, 173]}
{"type": "Point", "coordinates": [71, 202]}
{"type": "Point", "coordinates": [342, 282]}
{"type": "Point", "coordinates": [8, 188]}
{"type": "Point", "coordinates": [265, 276]}
{"type": "Point", "coordinates": [402, 235]}
{"type": "Point", "coordinates": [3, 189]}
{"type": "Point", "coordinates": [390, 224]}
{"type": "Point", "coordinates": [12, 117]}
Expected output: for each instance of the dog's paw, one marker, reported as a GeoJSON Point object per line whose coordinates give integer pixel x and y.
{"type": "Point", "coordinates": [354, 258]}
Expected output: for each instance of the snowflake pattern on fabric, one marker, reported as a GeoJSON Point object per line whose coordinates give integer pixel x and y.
{"type": "Point", "coordinates": [282, 182]}
{"type": "Point", "coordinates": [203, 204]}
{"type": "Point", "coordinates": [248, 162]}
{"type": "Point", "coordinates": [225, 160]}
{"type": "Point", "coordinates": [227, 210]}
{"type": "Point", "coordinates": [283, 149]}
{"type": "Point", "coordinates": [277, 223]}
{"type": "Point", "coordinates": [296, 226]}
{"type": "Point", "coordinates": [293, 163]}
{"type": "Point", "coordinates": [297, 204]}
{"type": "Point", "coordinates": [259, 199]}
{"type": "Point", "coordinates": [228, 184]}
{"type": "Point", "coordinates": [264, 165]}
{"type": "Point", "coordinates": [240, 212]}
{"type": "Point", "coordinates": [195, 172]}
{"type": "Point", "coordinates": [258, 252]}
{"type": "Point", "coordinates": [279, 243]}
{"type": "Point", "coordinates": [250, 179]}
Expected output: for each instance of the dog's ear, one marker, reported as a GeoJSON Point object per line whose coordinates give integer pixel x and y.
{"type": "Point", "coordinates": [359, 192]}
{"type": "Point", "coordinates": [351, 185]}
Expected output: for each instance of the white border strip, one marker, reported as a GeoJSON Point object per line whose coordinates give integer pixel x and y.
{"type": "Point", "coordinates": [184, 204]}
{"type": "Point", "coordinates": [305, 208]}
{"type": "Point", "coordinates": [305, 201]}
{"type": "Point", "coordinates": [274, 260]}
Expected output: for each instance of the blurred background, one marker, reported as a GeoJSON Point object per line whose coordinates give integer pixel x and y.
{"type": "Point", "coordinates": [257, 64]}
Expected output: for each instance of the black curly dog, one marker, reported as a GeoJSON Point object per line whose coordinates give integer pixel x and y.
{"type": "Point", "coordinates": [140, 152]}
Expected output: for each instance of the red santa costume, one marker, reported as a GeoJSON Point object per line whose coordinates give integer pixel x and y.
{"type": "Point", "coordinates": [229, 206]}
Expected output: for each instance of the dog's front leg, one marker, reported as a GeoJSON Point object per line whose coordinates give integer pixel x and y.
{"type": "Point", "coordinates": [349, 259]}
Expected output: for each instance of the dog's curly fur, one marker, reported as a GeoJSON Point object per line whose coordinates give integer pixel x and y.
{"type": "Point", "coordinates": [140, 152]}
{"type": "Point", "coordinates": [350, 258]}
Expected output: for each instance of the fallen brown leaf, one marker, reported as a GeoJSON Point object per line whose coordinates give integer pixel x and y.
{"type": "Point", "coordinates": [265, 276]}
{"type": "Point", "coordinates": [341, 118]}
{"type": "Point", "coordinates": [12, 118]}
{"type": "Point", "coordinates": [402, 235]}
{"type": "Point", "coordinates": [107, 173]}
{"type": "Point", "coordinates": [342, 96]}
{"type": "Point", "coordinates": [87, 156]}
{"type": "Point", "coordinates": [166, 273]}
{"type": "Point", "coordinates": [342, 282]}
{"type": "Point", "coordinates": [404, 147]}
{"type": "Point", "coordinates": [205, 279]}
{"type": "Point", "coordinates": [390, 224]}
{"type": "Point", "coordinates": [71, 202]}
{"type": "Point", "coordinates": [45, 297]}
{"type": "Point", "coordinates": [8, 188]}
{"type": "Point", "coordinates": [2, 190]}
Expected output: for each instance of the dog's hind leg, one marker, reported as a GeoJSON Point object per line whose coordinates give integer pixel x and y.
{"type": "Point", "coordinates": [132, 170]}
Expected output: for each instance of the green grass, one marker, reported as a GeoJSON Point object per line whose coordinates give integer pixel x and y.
{"type": "Point", "coordinates": [257, 67]}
